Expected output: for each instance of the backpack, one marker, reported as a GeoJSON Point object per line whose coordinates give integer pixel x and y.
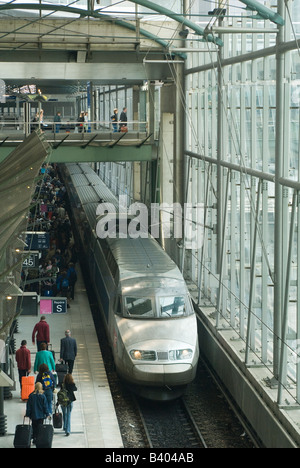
{"type": "Point", "coordinates": [46, 381]}
{"type": "Point", "coordinates": [73, 276]}
{"type": "Point", "coordinates": [65, 283]}
{"type": "Point", "coordinates": [63, 397]}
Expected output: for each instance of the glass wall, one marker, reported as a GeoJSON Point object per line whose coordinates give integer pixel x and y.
{"type": "Point", "coordinates": [243, 156]}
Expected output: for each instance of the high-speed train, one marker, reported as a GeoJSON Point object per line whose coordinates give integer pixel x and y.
{"type": "Point", "coordinates": [144, 300]}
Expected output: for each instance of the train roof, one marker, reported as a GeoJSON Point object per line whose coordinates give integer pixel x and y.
{"type": "Point", "coordinates": [143, 258]}
{"type": "Point", "coordinates": [136, 258]}
{"type": "Point", "coordinates": [90, 188]}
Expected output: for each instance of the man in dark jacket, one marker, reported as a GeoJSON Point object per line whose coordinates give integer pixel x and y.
{"type": "Point", "coordinates": [123, 119]}
{"type": "Point", "coordinates": [68, 350]}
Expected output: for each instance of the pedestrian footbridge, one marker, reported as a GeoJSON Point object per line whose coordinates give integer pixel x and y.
{"type": "Point", "coordinates": [91, 146]}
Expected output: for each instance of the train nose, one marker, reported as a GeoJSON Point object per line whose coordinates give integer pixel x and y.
{"type": "Point", "coordinates": [163, 374]}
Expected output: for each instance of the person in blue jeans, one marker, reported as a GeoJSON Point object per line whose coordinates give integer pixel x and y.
{"type": "Point", "coordinates": [70, 386]}
{"type": "Point", "coordinates": [48, 381]}
{"type": "Point", "coordinates": [37, 408]}
{"type": "Point", "coordinates": [114, 118]}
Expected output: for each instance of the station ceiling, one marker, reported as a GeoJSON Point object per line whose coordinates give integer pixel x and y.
{"type": "Point", "coordinates": [60, 45]}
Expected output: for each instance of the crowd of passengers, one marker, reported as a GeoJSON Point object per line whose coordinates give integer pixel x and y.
{"type": "Point", "coordinates": [48, 214]}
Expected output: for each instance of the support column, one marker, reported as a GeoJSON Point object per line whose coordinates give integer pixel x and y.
{"type": "Point", "coordinates": [279, 158]}
{"type": "Point", "coordinates": [167, 144]}
{"type": "Point", "coordinates": [220, 155]}
{"type": "Point", "coordinates": [26, 108]}
{"type": "Point", "coordinates": [137, 181]}
{"type": "Point", "coordinates": [2, 415]}
{"type": "Point", "coordinates": [2, 364]}
{"type": "Point", "coordinates": [179, 136]}
{"type": "Point", "coordinates": [90, 104]}
{"type": "Point", "coordinates": [166, 158]}
{"type": "Point", "coordinates": [135, 107]}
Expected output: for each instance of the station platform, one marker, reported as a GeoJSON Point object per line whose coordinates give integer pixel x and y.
{"type": "Point", "coordinates": [94, 422]}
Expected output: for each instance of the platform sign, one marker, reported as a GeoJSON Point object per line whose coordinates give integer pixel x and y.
{"type": "Point", "coordinates": [59, 306]}
{"type": "Point", "coordinates": [45, 306]}
{"type": "Point", "coordinates": [53, 305]}
{"type": "Point", "coordinates": [38, 240]}
{"type": "Point", "coordinates": [31, 260]}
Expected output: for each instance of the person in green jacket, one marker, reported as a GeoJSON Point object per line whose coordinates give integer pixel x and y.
{"type": "Point", "coordinates": [44, 357]}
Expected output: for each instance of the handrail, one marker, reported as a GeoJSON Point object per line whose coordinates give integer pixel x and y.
{"type": "Point", "coordinates": [73, 126]}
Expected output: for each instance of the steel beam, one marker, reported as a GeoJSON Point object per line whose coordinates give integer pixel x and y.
{"type": "Point", "coordinates": [264, 12]}
{"type": "Point", "coordinates": [180, 18]}
{"type": "Point", "coordinates": [68, 154]}
{"type": "Point", "coordinates": [94, 14]}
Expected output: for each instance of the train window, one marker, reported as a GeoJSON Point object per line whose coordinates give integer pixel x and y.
{"type": "Point", "coordinates": [139, 307]}
{"type": "Point", "coordinates": [172, 306]}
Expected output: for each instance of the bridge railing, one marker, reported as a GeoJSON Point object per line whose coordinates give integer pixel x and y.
{"type": "Point", "coordinates": [14, 125]}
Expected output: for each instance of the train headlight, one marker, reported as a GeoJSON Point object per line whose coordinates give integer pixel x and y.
{"type": "Point", "coordinates": [180, 354]}
{"type": "Point", "coordinates": [141, 355]}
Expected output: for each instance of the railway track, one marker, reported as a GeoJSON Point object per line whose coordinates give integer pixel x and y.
{"type": "Point", "coordinates": [170, 425]}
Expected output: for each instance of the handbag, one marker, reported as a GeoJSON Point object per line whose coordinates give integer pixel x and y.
{"type": "Point", "coordinates": [124, 129]}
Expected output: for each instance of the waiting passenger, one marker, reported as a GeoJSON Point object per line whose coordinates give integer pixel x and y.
{"type": "Point", "coordinates": [57, 125]}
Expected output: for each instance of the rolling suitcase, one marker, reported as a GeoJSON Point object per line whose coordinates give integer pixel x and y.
{"type": "Point", "coordinates": [27, 387]}
{"type": "Point", "coordinates": [23, 435]}
{"type": "Point", "coordinates": [50, 348]}
{"type": "Point", "coordinates": [61, 370]}
{"type": "Point", "coordinates": [57, 419]}
{"type": "Point", "coordinates": [44, 436]}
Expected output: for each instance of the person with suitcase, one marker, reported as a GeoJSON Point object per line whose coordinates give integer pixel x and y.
{"type": "Point", "coordinates": [68, 350]}
{"type": "Point", "coordinates": [37, 409]}
{"type": "Point", "coordinates": [44, 357]}
{"type": "Point", "coordinates": [23, 360]}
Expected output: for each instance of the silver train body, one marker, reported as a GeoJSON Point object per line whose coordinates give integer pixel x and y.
{"type": "Point", "coordinates": [146, 306]}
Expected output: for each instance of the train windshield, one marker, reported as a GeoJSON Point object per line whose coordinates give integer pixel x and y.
{"type": "Point", "coordinates": [139, 307]}
{"type": "Point", "coordinates": [173, 306]}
